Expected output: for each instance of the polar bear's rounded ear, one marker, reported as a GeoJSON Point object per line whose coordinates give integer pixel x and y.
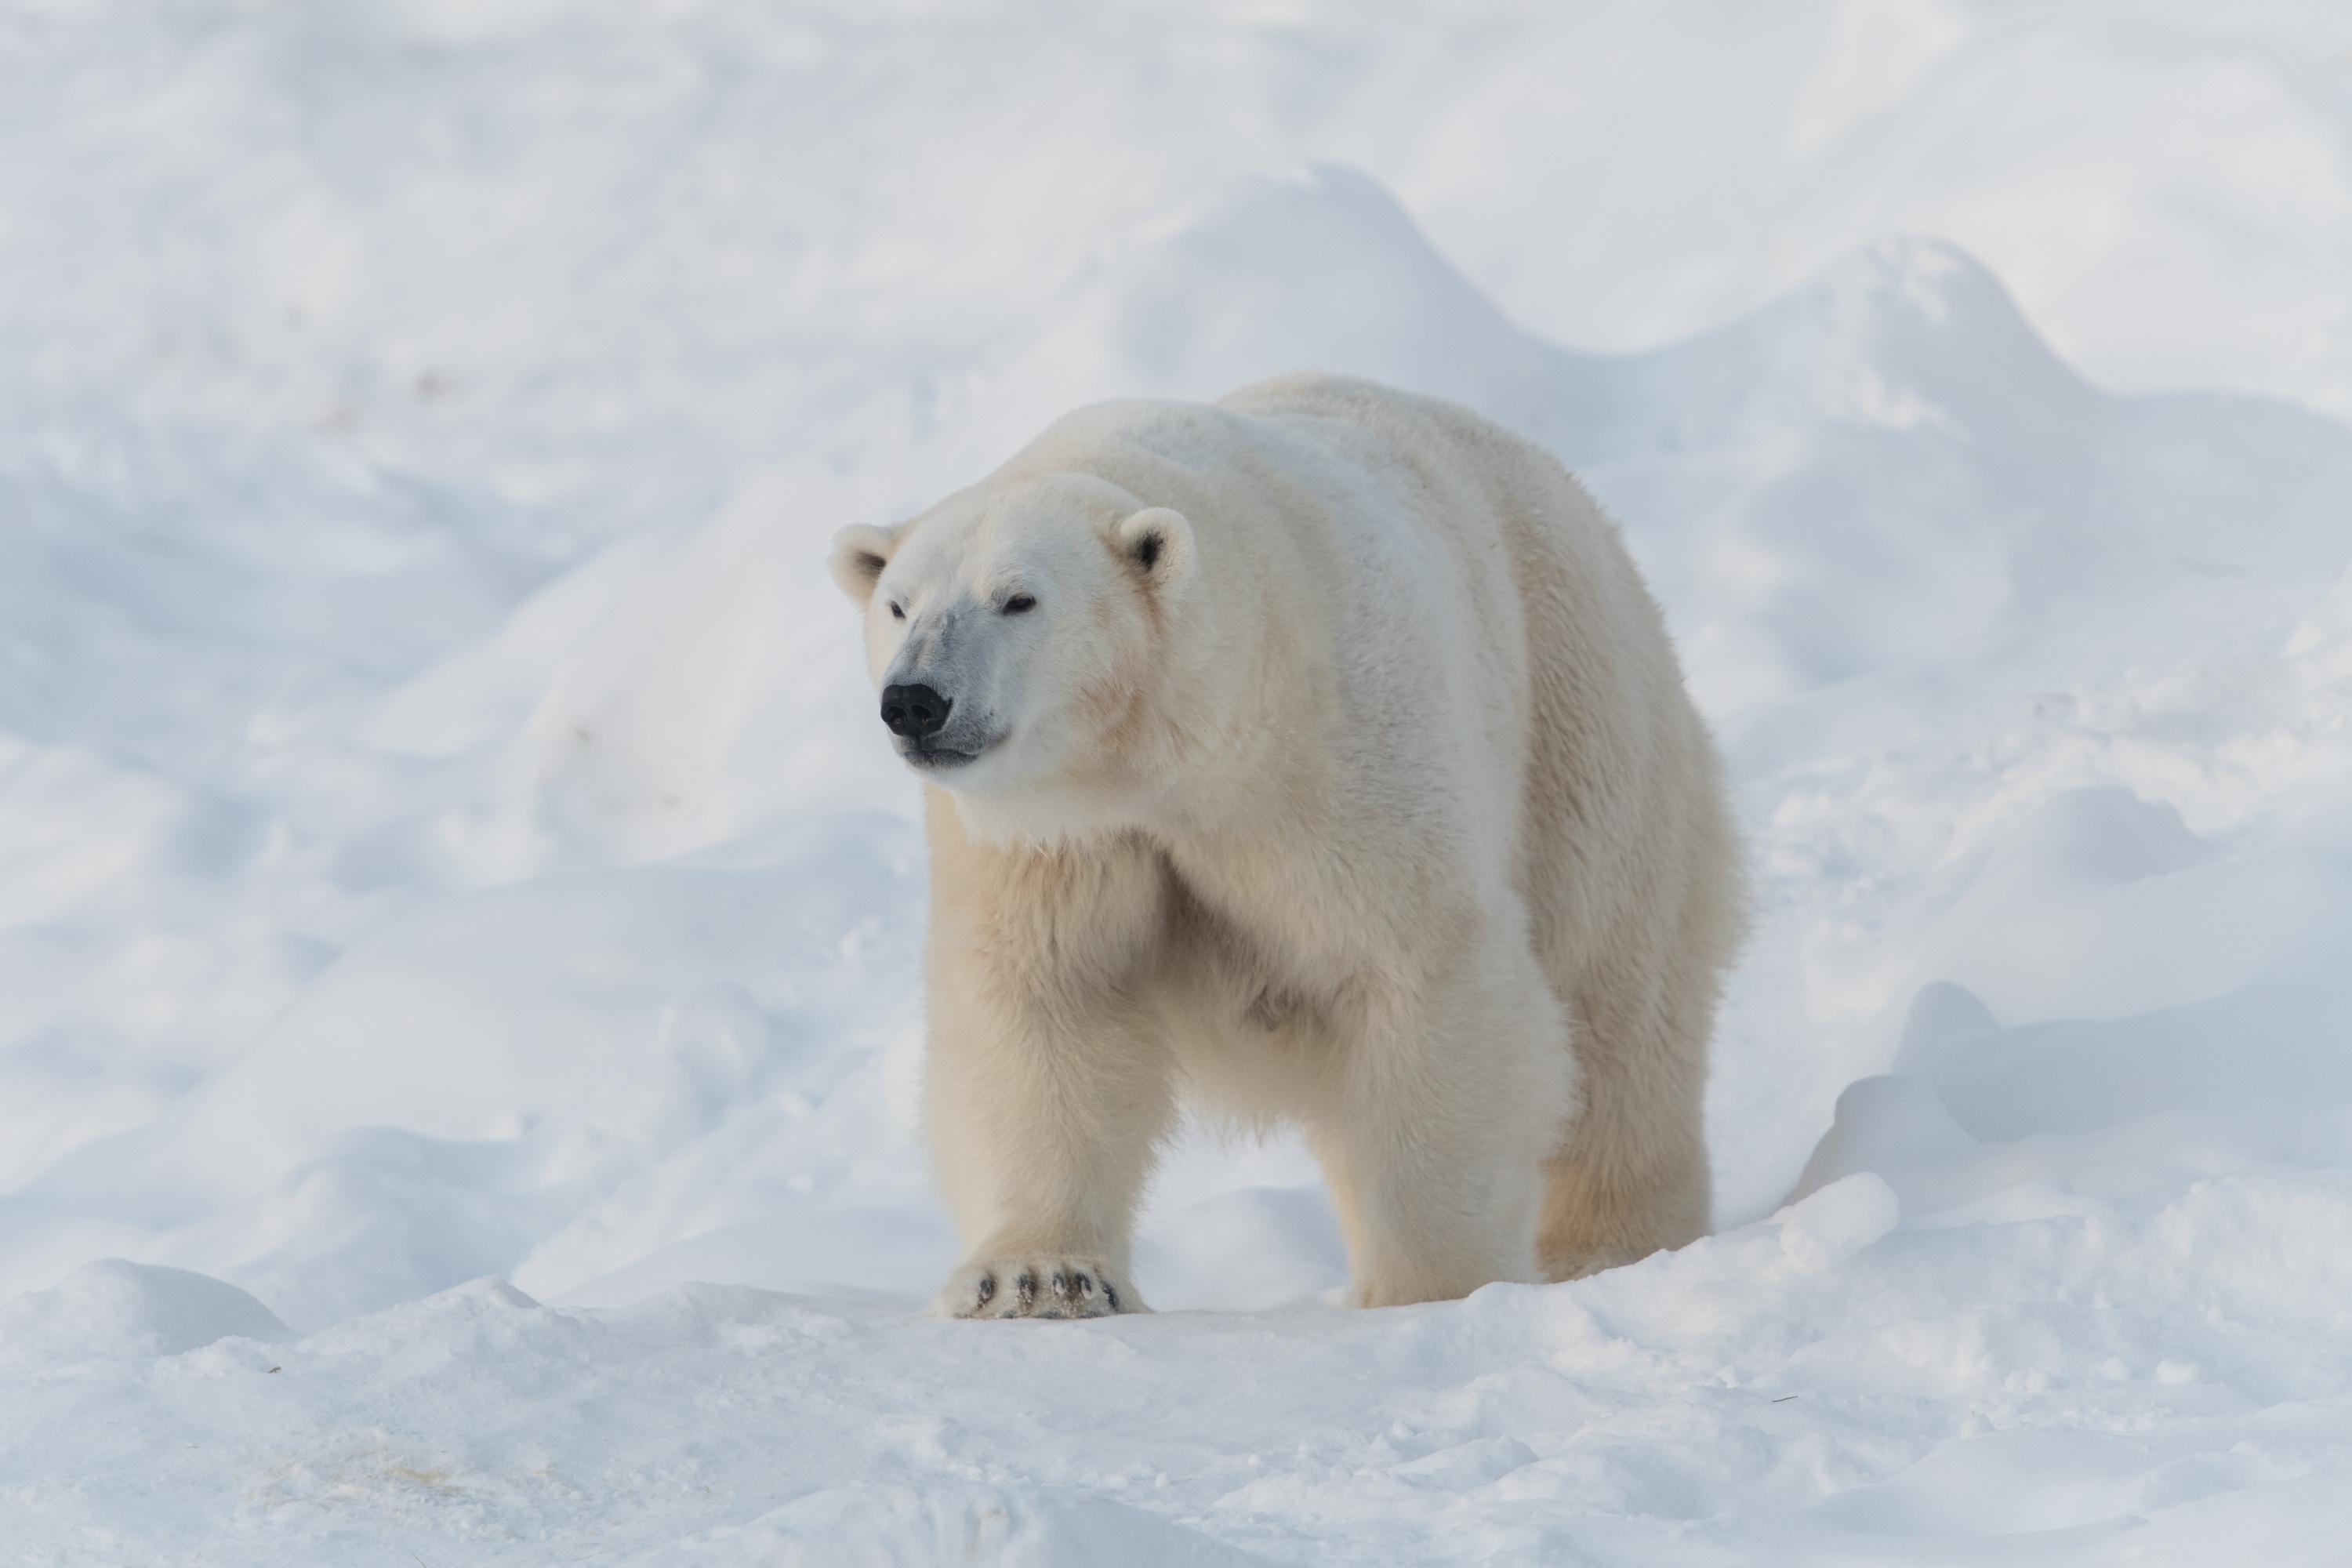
{"type": "Point", "coordinates": [859, 554]}
{"type": "Point", "coordinates": [1157, 543]}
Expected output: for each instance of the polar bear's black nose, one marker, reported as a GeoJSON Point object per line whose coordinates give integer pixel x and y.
{"type": "Point", "coordinates": [914, 711]}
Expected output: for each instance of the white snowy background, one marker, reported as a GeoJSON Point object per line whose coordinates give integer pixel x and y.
{"type": "Point", "coordinates": [459, 923]}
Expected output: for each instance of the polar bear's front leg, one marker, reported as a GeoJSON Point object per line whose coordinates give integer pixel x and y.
{"type": "Point", "coordinates": [1453, 1093]}
{"type": "Point", "coordinates": [1045, 1123]}
{"type": "Point", "coordinates": [1048, 1083]}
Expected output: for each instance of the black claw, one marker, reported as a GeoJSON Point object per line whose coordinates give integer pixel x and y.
{"type": "Point", "coordinates": [987, 1291]}
{"type": "Point", "coordinates": [1111, 1295]}
{"type": "Point", "coordinates": [1084, 1284]}
{"type": "Point", "coordinates": [1061, 1284]}
{"type": "Point", "coordinates": [1026, 1288]}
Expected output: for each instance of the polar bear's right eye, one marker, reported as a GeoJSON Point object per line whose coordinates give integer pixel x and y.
{"type": "Point", "coordinates": [897, 612]}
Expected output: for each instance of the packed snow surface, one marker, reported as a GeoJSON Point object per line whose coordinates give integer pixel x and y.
{"type": "Point", "coordinates": [460, 927]}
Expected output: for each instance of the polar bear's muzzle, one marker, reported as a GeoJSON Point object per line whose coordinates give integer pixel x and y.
{"type": "Point", "coordinates": [918, 713]}
{"type": "Point", "coordinates": [934, 699]}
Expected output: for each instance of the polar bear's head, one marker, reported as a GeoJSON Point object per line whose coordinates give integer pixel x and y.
{"type": "Point", "coordinates": [1014, 630]}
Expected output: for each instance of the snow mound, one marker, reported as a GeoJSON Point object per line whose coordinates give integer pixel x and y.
{"type": "Point", "coordinates": [115, 1311]}
{"type": "Point", "coordinates": [2153, 1373]}
{"type": "Point", "coordinates": [1833, 1223]}
{"type": "Point", "coordinates": [1315, 269]}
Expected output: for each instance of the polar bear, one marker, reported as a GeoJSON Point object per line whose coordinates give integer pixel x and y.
{"type": "Point", "coordinates": [1318, 752]}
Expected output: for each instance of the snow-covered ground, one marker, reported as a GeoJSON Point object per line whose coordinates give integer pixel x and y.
{"type": "Point", "coordinates": [459, 927]}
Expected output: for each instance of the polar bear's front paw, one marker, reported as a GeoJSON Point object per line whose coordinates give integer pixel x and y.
{"type": "Point", "coordinates": [1041, 1287]}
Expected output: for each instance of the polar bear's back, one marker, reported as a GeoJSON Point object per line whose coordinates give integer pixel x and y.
{"type": "Point", "coordinates": [1571, 650]}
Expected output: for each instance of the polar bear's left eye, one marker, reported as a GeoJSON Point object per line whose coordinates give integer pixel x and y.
{"type": "Point", "coordinates": [1019, 603]}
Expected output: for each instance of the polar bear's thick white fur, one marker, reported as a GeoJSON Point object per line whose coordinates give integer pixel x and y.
{"type": "Point", "coordinates": [1318, 750]}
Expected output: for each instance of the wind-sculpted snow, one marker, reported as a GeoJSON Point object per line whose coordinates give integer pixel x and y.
{"type": "Point", "coordinates": [459, 931]}
{"type": "Point", "coordinates": [119, 1311]}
